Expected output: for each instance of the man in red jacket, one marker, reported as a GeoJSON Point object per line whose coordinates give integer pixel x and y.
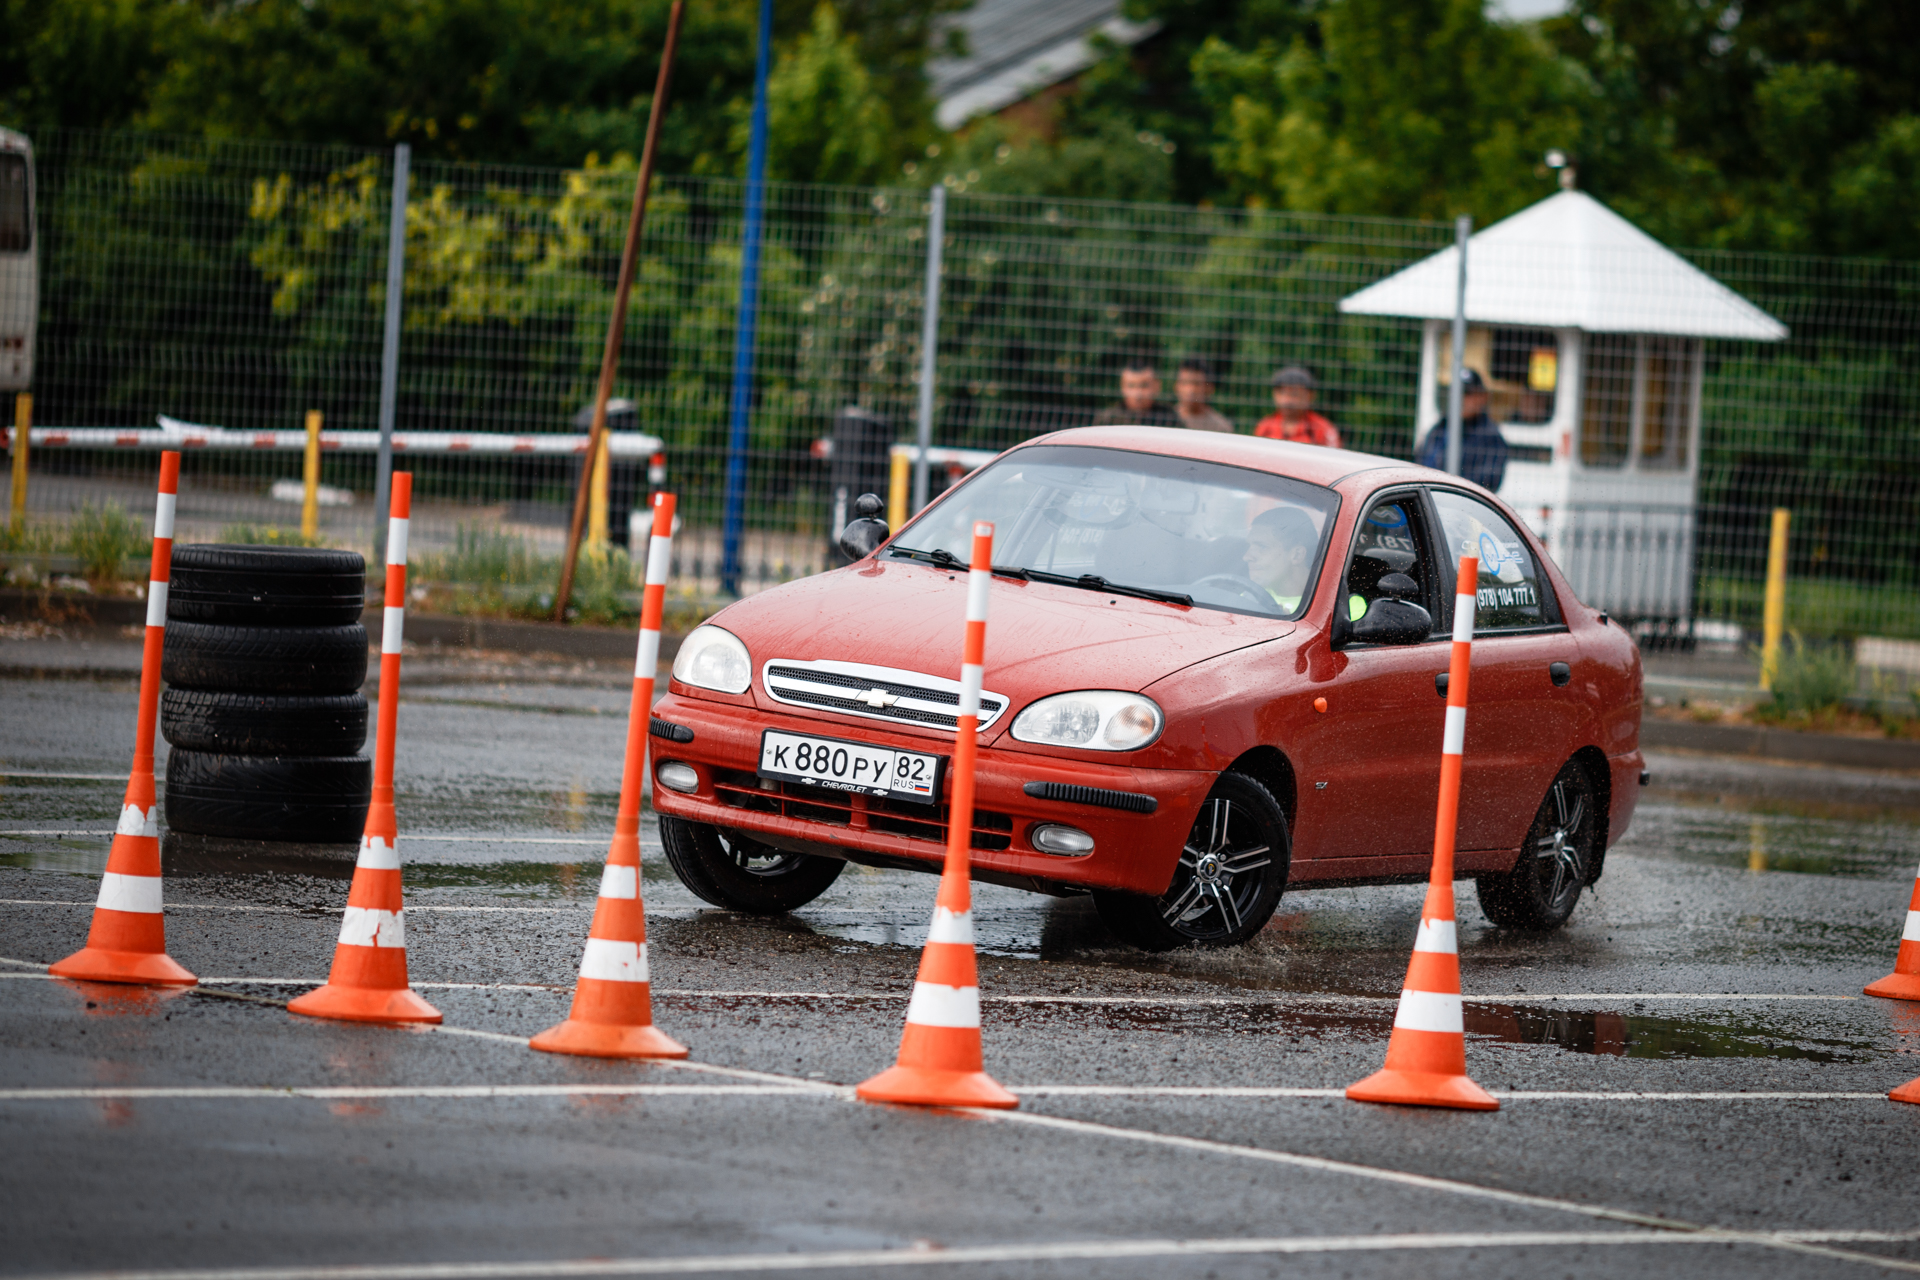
{"type": "Point", "coordinates": [1293, 389]}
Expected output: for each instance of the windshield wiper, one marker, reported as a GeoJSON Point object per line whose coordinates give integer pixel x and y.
{"type": "Point", "coordinates": [1094, 582]}
{"type": "Point", "coordinates": [939, 555]}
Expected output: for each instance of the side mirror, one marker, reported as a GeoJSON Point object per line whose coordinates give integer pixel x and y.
{"type": "Point", "coordinates": [1391, 621]}
{"type": "Point", "coordinates": [861, 536]}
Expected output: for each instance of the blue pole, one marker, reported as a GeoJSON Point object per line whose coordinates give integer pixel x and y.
{"type": "Point", "coordinates": [736, 498]}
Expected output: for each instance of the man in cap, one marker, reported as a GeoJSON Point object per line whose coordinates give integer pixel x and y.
{"type": "Point", "coordinates": [1483, 450]}
{"type": "Point", "coordinates": [1293, 389]}
{"type": "Point", "coordinates": [1139, 399]}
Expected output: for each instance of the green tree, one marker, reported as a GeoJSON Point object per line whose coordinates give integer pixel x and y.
{"type": "Point", "coordinates": [825, 121]}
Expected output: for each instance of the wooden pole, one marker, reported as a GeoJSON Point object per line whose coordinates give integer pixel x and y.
{"type": "Point", "coordinates": [22, 424]}
{"type": "Point", "coordinates": [1774, 619]}
{"type": "Point", "coordinates": [310, 475]}
{"type": "Point", "coordinates": [617, 325]}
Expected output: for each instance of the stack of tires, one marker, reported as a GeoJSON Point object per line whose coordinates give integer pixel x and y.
{"type": "Point", "coordinates": [265, 656]}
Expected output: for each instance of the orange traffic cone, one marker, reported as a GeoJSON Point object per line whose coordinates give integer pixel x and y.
{"type": "Point", "coordinates": [1908, 1092]}
{"type": "Point", "coordinates": [612, 1014]}
{"type": "Point", "coordinates": [1904, 982]}
{"type": "Point", "coordinates": [1427, 1054]}
{"type": "Point", "coordinates": [369, 978]}
{"type": "Point", "coordinates": [128, 940]}
{"type": "Point", "coordinates": [940, 1062]}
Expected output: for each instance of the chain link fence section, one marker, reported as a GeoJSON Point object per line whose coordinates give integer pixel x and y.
{"type": "Point", "coordinates": [241, 284]}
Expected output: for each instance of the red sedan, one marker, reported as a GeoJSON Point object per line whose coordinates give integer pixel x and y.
{"type": "Point", "coordinates": [1216, 668]}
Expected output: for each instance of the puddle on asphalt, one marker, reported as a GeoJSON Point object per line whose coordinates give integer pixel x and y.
{"type": "Point", "coordinates": [1763, 842]}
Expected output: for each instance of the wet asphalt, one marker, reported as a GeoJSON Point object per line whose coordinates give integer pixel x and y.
{"type": "Point", "coordinates": [1691, 1079]}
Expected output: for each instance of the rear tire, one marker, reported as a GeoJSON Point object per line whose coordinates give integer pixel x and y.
{"type": "Point", "coordinates": [739, 873]}
{"type": "Point", "coordinates": [1556, 861]}
{"type": "Point", "coordinates": [203, 655]}
{"type": "Point", "coordinates": [266, 586]}
{"type": "Point", "coordinates": [1227, 883]}
{"type": "Point", "coordinates": [311, 799]}
{"type": "Point", "coordinates": [265, 724]}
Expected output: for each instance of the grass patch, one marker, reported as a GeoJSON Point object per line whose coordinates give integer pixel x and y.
{"type": "Point", "coordinates": [266, 535]}
{"type": "Point", "coordinates": [1817, 606]}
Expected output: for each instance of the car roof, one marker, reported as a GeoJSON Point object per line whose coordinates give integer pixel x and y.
{"type": "Point", "coordinates": [1316, 464]}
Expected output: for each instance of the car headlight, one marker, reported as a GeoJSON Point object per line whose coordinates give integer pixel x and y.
{"type": "Point", "coordinates": [1097, 719]}
{"type": "Point", "coordinates": [710, 658]}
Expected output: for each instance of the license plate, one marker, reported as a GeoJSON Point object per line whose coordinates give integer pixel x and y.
{"type": "Point", "coordinates": [850, 766]}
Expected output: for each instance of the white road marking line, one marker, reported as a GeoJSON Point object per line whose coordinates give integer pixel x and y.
{"type": "Point", "coordinates": [196, 1092]}
{"type": "Point", "coordinates": [1060, 1251]}
{"type": "Point", "coordinates": [1523, 1095]}
{"type": "Point", "coordinates": [84, 777]}
{"type": "Point", "coordinates": [1421, 1181]}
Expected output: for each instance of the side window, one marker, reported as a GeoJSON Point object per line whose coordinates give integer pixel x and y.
{"type": "Point", "coordinates": [1387, 540]}
{"type": "Point", "coordinates": [1511, 592]}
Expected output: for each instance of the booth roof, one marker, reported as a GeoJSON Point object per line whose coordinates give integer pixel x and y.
{"type": "Point", "coordinates": [1570, 262]}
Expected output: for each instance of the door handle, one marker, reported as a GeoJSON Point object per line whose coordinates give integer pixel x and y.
{"type": "Point", "coordinates": [1560, 673]}
{"type": "Point", "coordinates": [1440, 684]}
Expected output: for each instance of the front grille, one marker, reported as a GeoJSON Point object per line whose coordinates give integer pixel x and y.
{"type": "Point", "coordinates": [916, 699]}
{"type": "Point", "coordinates": [741, 790]}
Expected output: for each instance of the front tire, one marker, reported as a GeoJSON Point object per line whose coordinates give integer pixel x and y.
{"type": "Point", "coordinates": [1555, 862]}
{"type": "Point", "coordinates": [739, 873]}
{"type": "Point", "coordinates": [1231, 873]}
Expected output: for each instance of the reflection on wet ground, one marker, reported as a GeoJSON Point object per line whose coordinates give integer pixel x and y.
{"type": "Point", "coordinates": [1714, 836]}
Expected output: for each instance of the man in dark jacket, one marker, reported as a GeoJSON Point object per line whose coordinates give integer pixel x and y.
{"type": "Point", "coordinates": [1483, 450]}
{"type": "Point", "coordinates": [1139, 400]}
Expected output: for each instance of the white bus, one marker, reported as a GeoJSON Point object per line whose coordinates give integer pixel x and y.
{"type": "Point", "coordinates": [19, 271]}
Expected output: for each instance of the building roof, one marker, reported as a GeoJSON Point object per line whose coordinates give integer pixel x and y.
{"type": "Point", "coordinates": [1019, 47]}
{"type": "Point", "coordinates": [1570, 262]}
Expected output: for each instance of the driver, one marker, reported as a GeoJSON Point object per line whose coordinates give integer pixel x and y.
{"type": "Point", "coordinates": [1279, 555]}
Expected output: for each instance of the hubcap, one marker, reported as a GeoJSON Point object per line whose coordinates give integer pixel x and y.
{"type": "Point", "coordinates": [1214, 885]}
{"type": "Point", "coordinates": [1562, 845]}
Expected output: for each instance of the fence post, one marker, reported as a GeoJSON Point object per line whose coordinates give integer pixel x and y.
{"type": "Point", "coordinates": [929, 340]}
{"type": "Point", "coordinates": [599, 497]}
{"type": "Point", "coordinates": [310, 474]}
{"type": "Point", "coordinates": [22, 425]}
{"type": "Point", "coordinates": [737, 435]}
{"type": "Point", "coordinates": [1462, 232]}
{"type": "Point", "coordinates": [390, 343]}
{"type": "Point", "coordinates": [1774, 620]}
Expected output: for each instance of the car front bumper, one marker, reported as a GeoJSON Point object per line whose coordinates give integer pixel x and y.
{"type": "Point", "coordinates": [1131, 851]}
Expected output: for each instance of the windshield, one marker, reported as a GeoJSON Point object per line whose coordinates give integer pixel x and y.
{"type": "Point", "coordinates": [1216, 536]}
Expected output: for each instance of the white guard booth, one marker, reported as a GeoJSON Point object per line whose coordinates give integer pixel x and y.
{"type": "Point", "coordinates": [1589, 335]}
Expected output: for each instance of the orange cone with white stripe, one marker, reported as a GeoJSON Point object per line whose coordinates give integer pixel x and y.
{"type": "Point", "coordinates": [1427, 1055]}
{"type": "Point", "coordinates": [612, 1015]}
{"type": "Point", "coordinates": [128, 940]}
{"type": "Point", "coordinates": [940, 1062]}
{"type": "Point", "coordinates": [1904, 982]}
{"type": "Point", "coordinates": [369, 978]}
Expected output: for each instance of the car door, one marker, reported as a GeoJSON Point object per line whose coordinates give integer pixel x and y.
{"type": "Point", "coordinates": [1370, 765]}
{"type": "Point", "coordinates": [1520, 722]}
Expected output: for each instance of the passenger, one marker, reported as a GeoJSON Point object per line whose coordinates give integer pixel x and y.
{"type": "Point", "coordinates": [1139, 399]}
{"type": "Point", "coordinates": [1293, 389]}
{"type": "Point", "coordinates": [1483, 450]}
{"type": "Point", "coordinates": [1192, 388]}
{"type": "Point", "coordinates": [1279, 556]}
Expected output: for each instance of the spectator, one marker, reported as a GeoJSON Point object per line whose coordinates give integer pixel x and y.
{"type": "Point", "coordinates": [1139, 399]}
{"type": "Point", "coordinates": [1293, 389]}
{"type": "Point", "coordinates": [1192, 388]}
{"type": "Point", "coordinates": [1483, 450]}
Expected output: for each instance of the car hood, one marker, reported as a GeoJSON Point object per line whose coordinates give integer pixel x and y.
{"type": "Point", "coordinates": [1041, 638]}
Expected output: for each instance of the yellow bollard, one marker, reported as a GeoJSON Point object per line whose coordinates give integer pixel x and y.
{"type": "Point", "coordinates": [900, 463]}
{"type": "Point", "coordinates": [597, 498]}
{"type": "Point", "coordinates": [1774, 620]}
{"type": "Point", "coordinates": [22, 423]}
{"type": "Point", "coordinates": [310, 503]}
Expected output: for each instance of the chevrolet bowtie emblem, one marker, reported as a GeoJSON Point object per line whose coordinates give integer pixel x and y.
{"type": "Point", "coordinates": [876, 698]}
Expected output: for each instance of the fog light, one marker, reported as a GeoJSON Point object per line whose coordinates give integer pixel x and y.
{"type": "Point", "coordinates": [681, 777]}
{"type": "Point", "coordinates": [1051, 837]}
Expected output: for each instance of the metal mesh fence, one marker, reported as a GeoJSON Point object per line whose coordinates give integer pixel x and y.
{"type": "Point", "coordinates": [242, 284]}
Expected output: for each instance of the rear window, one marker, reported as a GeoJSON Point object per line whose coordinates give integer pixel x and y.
{"type": "Point", "coordinates": [16, 211]}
